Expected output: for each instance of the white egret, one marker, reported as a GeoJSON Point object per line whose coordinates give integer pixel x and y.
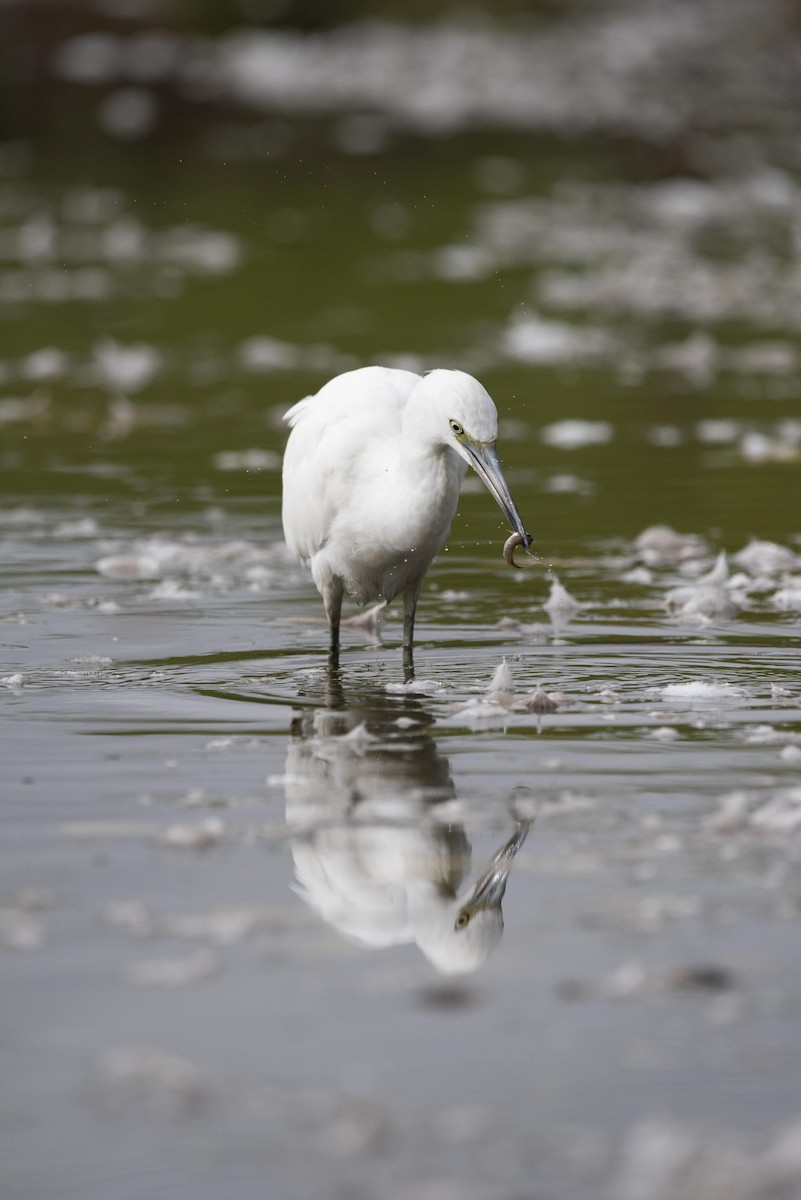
{"type": "Point", "coordinates": [381, 885]}
{"type": "Point", "coordinates": [373, 857]}
{"type": "Point", "coordinates": [371, 479]}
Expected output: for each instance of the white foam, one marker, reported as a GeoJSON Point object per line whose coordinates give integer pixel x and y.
{"type": "Point", "coordinates": [483, 712]}
{"type": "Point", "coordinates": [758, 447]}
{"type": "Point", "coordinates": [129, 566]}
{"type": "Point", "coordinates": [256, 459]}
{"type": "Point", "coordinates": [788, 598]}
{"type": "Point", "coordinates": [698, 690]}
{"type": "Point", "coordinates": [661, 545]}
{"type": "Point", "coordinates": [534, 339]}
{"type": "Point", "coordinates": [43, 365]}
{"type": "Point", "coordinates": [502, 680]}
{"type": "Point", "coordinates": [780, 814]}
{"type": "Point", "coordinates": [125, 369]}
{"type": "Point", "coordinates": [560, 606]}
{"type": "Point", "coordinates": [171, 589]}
{"type": "Point", "coordinates": [766, 558]}
{"type": "Point", "coordinates": [696, 358]}
{"type": "Point", "coordinates": [205, 251]}
{"type": "Point", "coordinates": [199, 836]}
{"type": "Point", "coordinates": [664, 733]}
{"type": "Point", "coordinates": [707, 597]}
{"type": "Point", "coordinates": [267, 354]}
{"type": "Point", "coordinates": [82, 527]}
{"type": "Point", "coordinates": [718, 431]}
{"type": "Point", "coordinates": [423, 687]}
{"type": "Point", "coordinates": [575, 434]}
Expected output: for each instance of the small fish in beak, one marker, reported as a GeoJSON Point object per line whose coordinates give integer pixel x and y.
{"type": "Point", "coordinates": [511, 544]}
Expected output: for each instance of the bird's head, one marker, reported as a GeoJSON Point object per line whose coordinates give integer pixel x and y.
{"type": "Point", "coordinates": [475, 926]}
{"type": "Point", "coordinates": [467, 422]}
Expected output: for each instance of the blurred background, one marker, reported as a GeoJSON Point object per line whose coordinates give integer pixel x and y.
{"type": "Point", "coordinates": [209, 208]}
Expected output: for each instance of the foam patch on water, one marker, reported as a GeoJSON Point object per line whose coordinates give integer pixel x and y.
{"type": "Point", "coordinates": [608, 257]}
{"type": "Point", "coordinates": [718, 431]}
{"type": "Point", "coordinates": [788, 598]}
{"type": "Point", "coordinates": [630, 69]}
{"type": "Point", "coordinates": [82, 527]}
{"type": "Point", "coordinates": [502, 680]}
{"type": "Point", "coordinates": [107, 251]}
{"type": "Point", "coordinates": [661, 545]}
{"type": "Point", "coordinates": [758, 447]}
{"type": "Point", "coordinates": [766, 558]}
{"type": "Point", "coordinates": [255, 459]}
{"type": "Point", "coordinates": [263, 354]}
{"type": "Point", "coordinates": [560, 606]}
{"type": "Point", "coordinates": [778, 812]}
{"type": "Point", "coordinates": [26, 410]}
{"type": "Point", "coordinates": [483, 712]}
{"type": "Point", "coordinates": [697, 691]}
{"type": "Point", "coordinates": [199, 836]}
{"type": "Point", "coordinates": [706, 598]}
{"type": "Point", "coordinates": [533, 339]}
{"type": "Point", "coordinates": [575, 434]}
{"type": "Point", "coordinates": [126, 369]}
{"type": "Point", "coordinates": [188, 567]}
{"type": "Point", "coordinates": [43, 365]}
{"type": "Point", "coordinates": [421, 687]}
{"type": "Point", "coordinates": [171, 589]}
{"type": "Point", "coordinates": [128, 566]}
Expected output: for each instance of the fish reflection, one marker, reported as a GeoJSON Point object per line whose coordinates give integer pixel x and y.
{"type": "Point", "coordinates": [374, 852]}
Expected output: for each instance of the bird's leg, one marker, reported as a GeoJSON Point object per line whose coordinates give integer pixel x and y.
{"type": "Point", "coordinates": [333, 610]}
{"type": "Point", "coordinates": [409, 607]}
{"type": "Point", "coordinates": [334, 692]}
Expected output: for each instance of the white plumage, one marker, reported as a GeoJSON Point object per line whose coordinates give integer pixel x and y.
{"type": "Point", "coordinates": [371, 479]}
{"type": "Point", "coordinates": [372, 852]}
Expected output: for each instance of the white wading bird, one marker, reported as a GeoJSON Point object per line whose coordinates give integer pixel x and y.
{"type": "Point", "coordinates": [371, 481]}
{"type": "Point", "coordinates": [373, 853]}
{"type": "Point", "coordinates": [381, 886]}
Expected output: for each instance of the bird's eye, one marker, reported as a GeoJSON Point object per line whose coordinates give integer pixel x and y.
{"type": "Point", "coordinates": [462, 919]}
{"type": "Point", "coordinates": [456, 428]}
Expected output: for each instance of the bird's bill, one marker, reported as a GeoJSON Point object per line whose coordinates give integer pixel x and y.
{"type": "Point", "coordinates": [484, 460]}
{"type": "Point", "coordinates": [490, 888]}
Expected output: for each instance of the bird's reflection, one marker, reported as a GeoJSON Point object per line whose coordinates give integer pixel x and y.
{"type": "Point", "coordinates": [367, 799]}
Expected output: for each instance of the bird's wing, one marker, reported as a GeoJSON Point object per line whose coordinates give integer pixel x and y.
{"type": "Point", "coordinates": [330, 433]}
{"type": "Point", "coordinates": [334, 880]}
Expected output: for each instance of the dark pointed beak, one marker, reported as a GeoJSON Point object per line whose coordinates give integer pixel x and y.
{"type": "Point", "coordinates": [484, 460]}
{"type": "Point", "coordinates": [490, 888]}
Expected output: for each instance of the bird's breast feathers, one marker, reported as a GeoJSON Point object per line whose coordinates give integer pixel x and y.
{"type": "Point", "coordinates": [354, 507]}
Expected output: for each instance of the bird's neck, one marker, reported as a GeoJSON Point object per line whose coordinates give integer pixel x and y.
{"type": "Point", "coordinates": [422, 454]}
{"type": "Point", "coordinates": [436, 471]}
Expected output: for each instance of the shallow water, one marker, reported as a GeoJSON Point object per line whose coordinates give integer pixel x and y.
{"type": "Point", "coordinates": [229, 874]}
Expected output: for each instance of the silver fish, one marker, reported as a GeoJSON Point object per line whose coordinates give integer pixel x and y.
{"type": "Point", "coordinates": [511, 545]}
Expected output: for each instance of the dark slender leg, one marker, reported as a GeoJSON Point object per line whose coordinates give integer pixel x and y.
{"type": "Point", "coordinates": [333, 610]}
{"type": "Point", "coordinates": [409, 607]}
{"type": "Point", "coordinates": [334, 692]}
